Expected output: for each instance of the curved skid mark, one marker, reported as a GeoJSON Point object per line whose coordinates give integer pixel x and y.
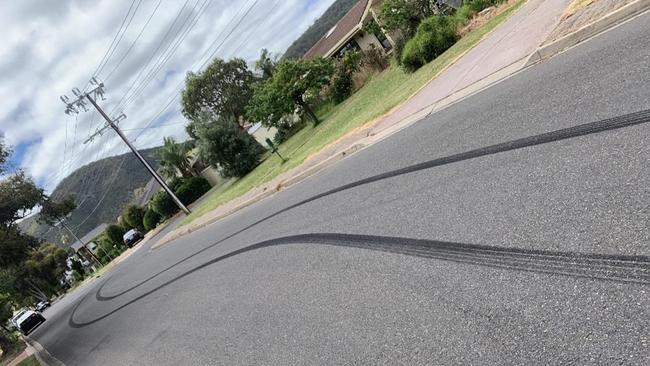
{"type": "Point", "coordinates": [617, 268]}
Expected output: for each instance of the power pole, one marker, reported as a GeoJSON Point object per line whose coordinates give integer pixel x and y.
{"type": "Point", "coordinates": [82, 243]}
{"type": "Point", "coordinates": [91, 96]}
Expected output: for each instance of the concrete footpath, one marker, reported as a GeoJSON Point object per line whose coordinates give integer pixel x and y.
{"type": "Point", "coordinates": [500, 54]}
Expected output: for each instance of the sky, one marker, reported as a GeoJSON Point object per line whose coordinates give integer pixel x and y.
{"type": "Point", "coordinates": [50, 47]}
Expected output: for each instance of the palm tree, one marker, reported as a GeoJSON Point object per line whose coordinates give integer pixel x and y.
{"type": "Point", "coordinates": [174, 159]}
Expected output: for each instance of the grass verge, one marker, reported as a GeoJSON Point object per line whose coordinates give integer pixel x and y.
{"type": "Point", "coordinates": [379, 95]}
{"type": "Point", "coordinates": [29, 361]}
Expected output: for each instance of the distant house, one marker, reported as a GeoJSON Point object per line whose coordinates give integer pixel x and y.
{"type": "Point", "coordinates": [88, 239]}
{"type": "Point", "coordinates": [348, 33]}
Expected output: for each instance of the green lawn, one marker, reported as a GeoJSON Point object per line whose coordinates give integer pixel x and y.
{"type": "Point", "coordinates": [29, 361]}
{"type": "Point", "coordinates": [381, 93]}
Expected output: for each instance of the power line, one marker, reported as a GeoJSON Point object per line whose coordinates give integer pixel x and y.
{"type": "Point", "coordinates": [112, 42]}
{"type": "Point", "coordinates": [152, 56]}
{"type": "Point", "coordinates": [169, 54]}
{"type": "Point", "coordinates": [134, 41]}
{"type": "Point", "coordinates": [120, 39]}
{"type": "Point", "coordinates": [110, 185]}
{"type": "Point", "coordinates": [157, 126]}
{"type": "Point", "coordinates": [175, 93]}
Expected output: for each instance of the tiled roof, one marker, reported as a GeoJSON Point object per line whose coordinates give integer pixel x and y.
{"type": "Point", "coordinates": [339, 31]}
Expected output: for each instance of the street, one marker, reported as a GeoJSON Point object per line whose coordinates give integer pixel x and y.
{"type": "Point", "coordinates": [420, 249]}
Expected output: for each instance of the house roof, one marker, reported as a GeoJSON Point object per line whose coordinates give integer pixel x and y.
{"type": "Point", "coordinates": [339, 32]}
{"type": "Point", "coordinates": [89, 237]}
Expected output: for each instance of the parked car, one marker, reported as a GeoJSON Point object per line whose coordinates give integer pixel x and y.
{"type": "Point", "coordinates": [42, 305]}
{"type": "Point", "coordinates": [132, 237]}
{"type": "Point", "coordinates": [28, 320]}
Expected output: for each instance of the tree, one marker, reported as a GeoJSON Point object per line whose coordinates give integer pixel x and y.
{"type": "Point", "coordinates": [404, 15]}
{"type": "Point", "coordinates": [5, 151]}
{"type": "Point", "coordinates": [265, 64]}
{"type": "Point", "coordinates": [133, 215]}
{"type": "Point", "coordinates": [54, 212]}
{"type": "Point", "coordinates": [223, 88]}
{"type": "Point", "coordinates": [77, 266]}
{"type": "Point", "coordinates": [18, 195]}
{"type": "Point", "coordinates": [115, 234]}
{"type": "Point", "coordinates": [224, 145]}
{"type": "Point", "coordinates": [286, 90]}
{"type": "Point", "coordinates": [45, 267]}
{"type": "Point", "coordinates": [173, 158]}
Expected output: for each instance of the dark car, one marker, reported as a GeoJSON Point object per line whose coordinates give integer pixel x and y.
{"type": "Point", "coordinates": [132, 237]}
{"type": "Point", "coordinates": [29, 320]}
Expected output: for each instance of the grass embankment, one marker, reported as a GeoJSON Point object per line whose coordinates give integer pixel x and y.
{"type": "Point", "coordinates": [379, 95]}
{"type": "Point", "coordinates": [29, 361]}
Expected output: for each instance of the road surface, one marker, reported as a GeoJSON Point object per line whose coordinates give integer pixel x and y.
{"type": "Point", "coordinates": [422, 249]}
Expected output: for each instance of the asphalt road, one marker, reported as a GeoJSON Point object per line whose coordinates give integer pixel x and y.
{"type": "Point", "coordinates": [531, 252]}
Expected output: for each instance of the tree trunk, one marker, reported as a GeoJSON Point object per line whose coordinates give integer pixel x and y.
{"type": "Point", "coordinates": [305, 107]}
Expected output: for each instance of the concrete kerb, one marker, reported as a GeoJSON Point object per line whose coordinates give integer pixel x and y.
{"type": "Point", "coordinates": [590, 30]}
{"type": "Point", "coordinates": [42, 355]}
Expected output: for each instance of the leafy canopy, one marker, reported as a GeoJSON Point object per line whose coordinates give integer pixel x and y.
{"type": "Point", "coordinates": [223, 88]}
{"type": "Point", "coordinates": [18, 195]}
{"type": "Point", "coordinates": [281, 94]}
{"type": "Point", "coordinates": [404, 15]}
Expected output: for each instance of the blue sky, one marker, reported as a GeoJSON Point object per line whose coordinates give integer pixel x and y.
{"type": "Point", "coordinates": [50, 47]}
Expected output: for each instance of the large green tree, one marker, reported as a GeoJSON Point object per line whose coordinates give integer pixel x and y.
{"type": "Point", "coordinates": [286, 90]}
{"type": "Point", "coordinates": [223, 88]}
{"type": "Point", "coordinates": [18, 196]}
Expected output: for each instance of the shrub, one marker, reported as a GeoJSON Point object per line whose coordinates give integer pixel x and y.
{"type": "Point", "coordinates": [223, 143]}
{"type": "Point", "coordinates": [192, 189]}
{"type": "Point", "coordinates": [176, 182]}
{"type": "Point", "coordinates": [433, 37]}
{"type": "Point", "coordinates": [163, 204]}
{"type": "Point", "coordinates": [133, 216]}
{"type": "Point", "coordinates": [472, 7]}
{"type": "Point", "coordinates": [341, 85]}
{"type": "Point", "coordinates": [151, 219]}
{"type": "Point", "coordinates": [115, 234]}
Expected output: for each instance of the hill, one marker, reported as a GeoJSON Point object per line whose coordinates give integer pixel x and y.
{"type": "Point", "coordinates": [116, 178]}
{"type": "Point", "coordinates": [326, 21]}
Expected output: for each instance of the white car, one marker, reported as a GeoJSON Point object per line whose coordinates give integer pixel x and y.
{"type": "Point", "coordinates": [27, 321]}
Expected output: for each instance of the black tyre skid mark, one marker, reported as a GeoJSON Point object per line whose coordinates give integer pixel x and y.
{"type": "Point", "coordinates": [627, 120]}
{"type": "Point", "coordinates": [616, 268]}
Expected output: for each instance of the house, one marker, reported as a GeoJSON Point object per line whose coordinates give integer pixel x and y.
{"type": "Point", "coordinates": [348, 33]}
{"type": "Point", "coordinates": [78, 246]}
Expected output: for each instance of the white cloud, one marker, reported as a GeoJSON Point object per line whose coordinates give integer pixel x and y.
{"type": "Point", "coordinates": [50, 47]}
